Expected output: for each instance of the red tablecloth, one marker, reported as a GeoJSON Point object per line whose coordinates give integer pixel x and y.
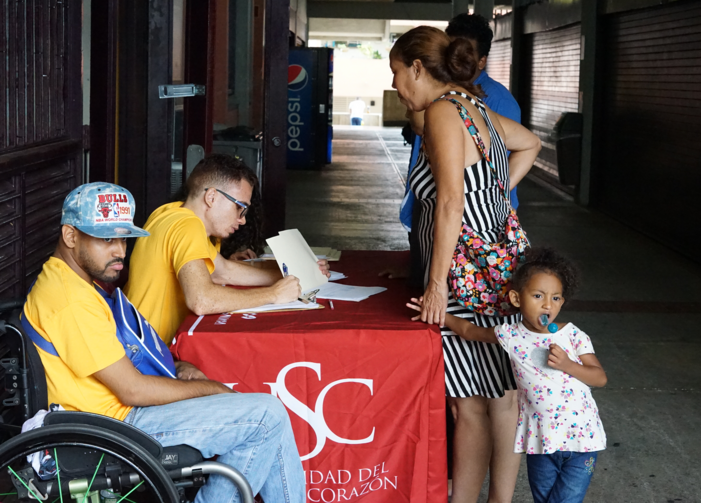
{"type": "Point", "coordinates": [364, 385]}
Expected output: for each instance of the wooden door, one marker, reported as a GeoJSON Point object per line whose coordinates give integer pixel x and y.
{"type": "Point", "coordinates": [40, 131]}
{"type": "Point", "coordinates": [268, 107]}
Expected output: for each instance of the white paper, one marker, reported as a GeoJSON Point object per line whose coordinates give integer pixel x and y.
{"type": "Point", "coordinates": [291, 249]}
{"type": "Point", "coordinates": [270, 256]}
{"type": "Point", "coordinates": [334, 291]}
{"type": "Point", "coordinates": [335, 276]}
{"type": "Point", "coordinates": [296, 305]}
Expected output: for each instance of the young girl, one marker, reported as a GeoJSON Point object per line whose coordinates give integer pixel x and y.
{"type": "Point", "coordinates": [554, 364]}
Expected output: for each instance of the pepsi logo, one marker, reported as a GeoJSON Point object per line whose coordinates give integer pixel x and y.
{"type": "Point", "coordinates": [297, 78]}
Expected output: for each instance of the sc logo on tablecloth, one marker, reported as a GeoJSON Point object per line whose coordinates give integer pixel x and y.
{"type": "Point", "coordinates": [315, 417]}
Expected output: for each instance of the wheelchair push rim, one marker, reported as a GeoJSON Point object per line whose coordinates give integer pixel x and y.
{"type": "Point", "coordinates": [151, 474]}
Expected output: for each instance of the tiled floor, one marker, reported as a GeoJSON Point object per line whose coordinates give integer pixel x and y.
{"type": "Point", "coordinates": [639, 302]}
{"type": "Point", "coordinates": [353, 204]}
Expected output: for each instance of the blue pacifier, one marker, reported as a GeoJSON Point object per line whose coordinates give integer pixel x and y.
{"type": "Point", "coordinates": [552, 327]}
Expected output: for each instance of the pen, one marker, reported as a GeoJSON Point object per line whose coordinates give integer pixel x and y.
{"type": "Point", "coordinates": [284, 270]}
{"type": "Point", "coordinates": [331, 304]}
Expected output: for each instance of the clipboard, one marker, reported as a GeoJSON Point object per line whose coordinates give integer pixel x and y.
{"type": "Point", "coordinates": [280, 308]}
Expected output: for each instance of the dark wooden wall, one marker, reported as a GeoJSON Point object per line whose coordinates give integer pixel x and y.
{"type": "Point", "coordinates": [499, 61]}
{"type": "Point", "coordinates": [551, 85]}
{"type": "Point", "coordinates": [40, 131]}
{"type": "Point", "coordinates": [650, 172]}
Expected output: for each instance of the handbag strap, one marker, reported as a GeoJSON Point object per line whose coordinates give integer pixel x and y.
{"type": "Point", "coordinates": [474, 132]}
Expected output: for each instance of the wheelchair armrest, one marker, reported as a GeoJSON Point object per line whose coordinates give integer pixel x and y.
{"type": "Point", "coordinates": [151, 445]}
{"type": "Point", "coordinates": [179, 456]}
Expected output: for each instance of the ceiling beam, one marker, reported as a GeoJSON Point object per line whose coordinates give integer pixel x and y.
{"type": "Point", "coordinates": [419, 11]}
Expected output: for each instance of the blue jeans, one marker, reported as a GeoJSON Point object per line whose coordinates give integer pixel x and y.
{"type": "Point", "coordinates": [249, 431]}
{"type": "Point", "coordinates": [356, 121]}
{"type": "Point", "coordinates": [560, 477]}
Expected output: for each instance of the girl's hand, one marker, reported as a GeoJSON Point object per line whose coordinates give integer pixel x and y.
{"type": "Point", "coordinates": [434, 305]}
{"type": "Point", "coordinates": [558, 359]}
{"type": "Point", "coordinates": [416, 306]}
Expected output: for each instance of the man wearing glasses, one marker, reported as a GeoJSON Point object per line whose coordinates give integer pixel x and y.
{"type": "Point", "coordinates": [178, 268]}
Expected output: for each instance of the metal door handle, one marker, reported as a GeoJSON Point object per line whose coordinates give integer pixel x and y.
{"type": "Point", "coordinates": [180, 91]}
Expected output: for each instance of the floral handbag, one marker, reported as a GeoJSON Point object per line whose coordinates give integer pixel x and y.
{"type": "Point", "coordinates": [480, 272]}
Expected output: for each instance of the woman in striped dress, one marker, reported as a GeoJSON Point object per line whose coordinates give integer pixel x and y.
{"type": "Point", "coordinates": [454, 185]}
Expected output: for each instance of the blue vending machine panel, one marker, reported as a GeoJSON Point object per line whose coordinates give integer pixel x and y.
{"type": "Point", "coordinates": [300, 137]}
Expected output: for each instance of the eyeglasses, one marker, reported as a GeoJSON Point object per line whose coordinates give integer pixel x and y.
{"type": "Point", "coordinates": [244, 206]}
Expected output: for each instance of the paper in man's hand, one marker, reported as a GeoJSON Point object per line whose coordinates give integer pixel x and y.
{"type": "Point", "coordinates": [292, 249]}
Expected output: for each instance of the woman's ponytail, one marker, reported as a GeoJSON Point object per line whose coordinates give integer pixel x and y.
{"type": "Point", "coordinates": [446, 61]}
{"type": "Point", "coordinates": [461, 61]}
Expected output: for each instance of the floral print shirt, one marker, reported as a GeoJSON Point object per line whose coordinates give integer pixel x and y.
{"type": "Point", "coordinates": [556, 411]}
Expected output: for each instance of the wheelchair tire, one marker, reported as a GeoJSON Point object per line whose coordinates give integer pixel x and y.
{"type": "Point", "coordinates": [154, 476]}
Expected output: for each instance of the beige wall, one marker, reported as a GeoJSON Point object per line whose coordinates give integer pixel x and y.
{"type": "Point", "coordinates": [366, 78]}
{"type": "Point", "coordinates": [361, 77]}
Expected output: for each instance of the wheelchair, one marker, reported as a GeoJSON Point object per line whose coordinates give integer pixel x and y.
{"type": "Point", "coordinates": [84, 457]}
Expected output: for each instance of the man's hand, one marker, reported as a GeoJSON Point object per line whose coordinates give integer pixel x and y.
{"type": "Point", "coordinates": [243, 255]}
{"type": "Point", "coordinates": [138, 390]}
{"type": "Point", "coordinates": [286, 290]}
{"type": "Point", "coordinates": [188, 372]}
{"type": "Point", "coordinates": [324, 267]}
{"type": "Point", "coordinates": [558, 359]}
{"type": "Point", "coordinates": [395, 273]}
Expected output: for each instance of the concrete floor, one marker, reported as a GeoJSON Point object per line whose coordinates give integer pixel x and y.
{"type": "Point", "coordinates": [639, 302]}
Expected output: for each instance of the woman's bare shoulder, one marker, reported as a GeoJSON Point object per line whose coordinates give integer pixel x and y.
{"type": "Point", "coordinates": [439, 108]}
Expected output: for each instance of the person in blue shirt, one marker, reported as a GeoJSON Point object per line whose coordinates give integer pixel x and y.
{"type": "Point", "coordinates": [476, 28]}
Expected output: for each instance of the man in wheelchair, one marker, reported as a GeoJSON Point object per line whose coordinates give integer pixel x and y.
{"type": "Point", "coordinates": [91, 366]}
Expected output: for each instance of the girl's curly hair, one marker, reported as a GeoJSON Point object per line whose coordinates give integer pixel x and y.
{"type": "Point", "coordinates": [549, 261]}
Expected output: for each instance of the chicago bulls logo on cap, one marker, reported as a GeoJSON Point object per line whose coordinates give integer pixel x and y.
{"type": "Point", "coordinates": [101, 210]}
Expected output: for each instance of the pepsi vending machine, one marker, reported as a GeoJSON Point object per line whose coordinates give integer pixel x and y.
{"type": "Point", "coordinates": [309, 108]}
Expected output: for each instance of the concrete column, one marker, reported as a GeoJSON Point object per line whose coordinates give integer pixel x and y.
{"type": "Point", "coordinates": [460, 7]}
{"type": "Point", "coordinates": [485, 8]}
{"type": "Point", "coordinates": [589, 72]}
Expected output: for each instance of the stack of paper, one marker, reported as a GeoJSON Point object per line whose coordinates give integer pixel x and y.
{"type": "Point", "coordinates": [336, 276]}
{"type": "Point", "coordinates": [297, 305]}
{"type": "Point", "coordinates": [294, 257]}
{"type": "Point", "coordinates": [327, 253]}
{"type": "Point", "coordinates": [334, 291]}
{"type": "Point", "coordinates": [330, 254]}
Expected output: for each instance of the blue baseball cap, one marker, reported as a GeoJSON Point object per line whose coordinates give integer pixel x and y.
{"type": "Point", "coordinates": [102, 210]}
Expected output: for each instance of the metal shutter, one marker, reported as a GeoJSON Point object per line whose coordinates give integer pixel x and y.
{"type": "Point", "coordinates": [651, 162]}
{"type": "Point", "coordinates": [552, 86]}
{"type": "Point", "coordinates": [499, 62]}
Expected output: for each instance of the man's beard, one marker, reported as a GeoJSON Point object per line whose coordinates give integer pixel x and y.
{"type": "Point", "coordinates": [95, 272]}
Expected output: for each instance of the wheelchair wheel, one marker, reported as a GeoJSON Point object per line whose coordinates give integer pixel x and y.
{"type": "Point", "coordinates": [106, 466]}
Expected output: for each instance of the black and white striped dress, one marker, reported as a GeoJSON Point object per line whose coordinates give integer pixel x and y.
{"type": "Point", "coordinates": [471, 368]}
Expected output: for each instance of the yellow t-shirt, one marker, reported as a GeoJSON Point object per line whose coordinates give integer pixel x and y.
{"type": "Point", "coordinates": [69, 313]}
{"type": "Point", "coordinates": [178, 236]}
